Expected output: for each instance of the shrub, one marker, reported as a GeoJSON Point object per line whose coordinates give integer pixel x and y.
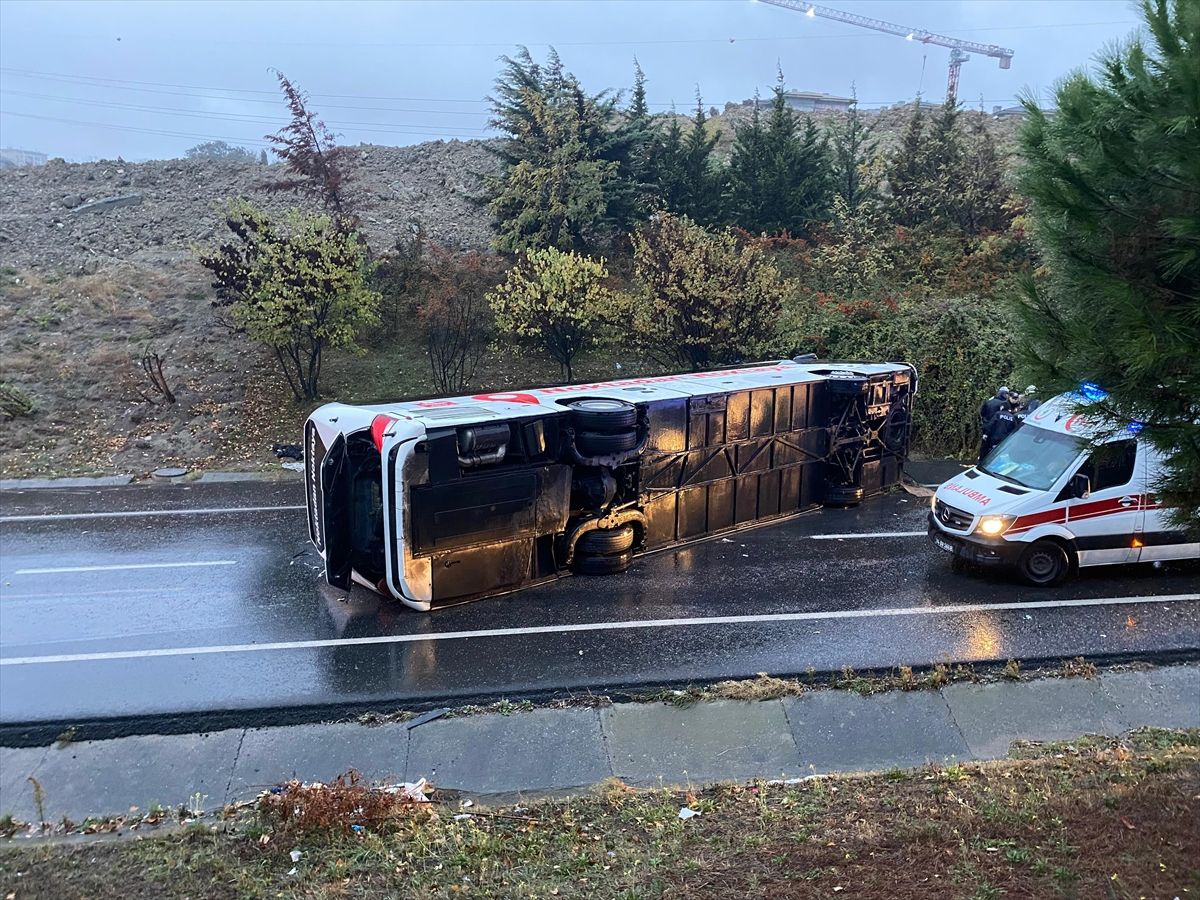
{"type": "Point", "coordinates": [556, 301]}
{"type": "Point", "coordinates": [455, 316]}
{"type": "Point", "coordinates": [963, 348]}
{"type": "Point", "coordinates": [14, 402]}
{"type": "Point", "coordinates": [702, 298]}
{"type": "Point", "coordinates": [299, 289]}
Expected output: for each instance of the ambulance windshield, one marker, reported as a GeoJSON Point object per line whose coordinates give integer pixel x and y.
{"type": "Point", "coordinates": [1033, 457]}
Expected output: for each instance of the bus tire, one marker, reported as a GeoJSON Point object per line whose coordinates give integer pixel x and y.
{"type": "Point", "coordinates": [599, 443]}
{"type": "Point", "coordinates": [602, 414]}
{"type": "Point", "coordinates": [605, 541]}
{"type": "Point", "coordinates": [843, 495]}
{"type": "Point", "coordinates": [603, 565]}
{"type": "Point", "coordinates": [1044, 564]}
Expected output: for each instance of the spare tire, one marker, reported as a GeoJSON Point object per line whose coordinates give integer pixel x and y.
{"type": "Point", "coordinates": [602, 565]}
{"type": "Point", "coordinates": [605, 541]}
{"type": "Point", "coordinates": [597, 443]}
{"type": "Point", "coordinates": [602, 414]}
{"type": "Point", "coordinates": [843, 495]}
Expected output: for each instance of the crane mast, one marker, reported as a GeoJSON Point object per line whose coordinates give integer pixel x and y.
{"type": "Point", "coordinates": [959, 50]}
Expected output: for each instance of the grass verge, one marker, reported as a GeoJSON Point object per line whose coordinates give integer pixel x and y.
{"type": "Point", "coordinates": [1096, 818]}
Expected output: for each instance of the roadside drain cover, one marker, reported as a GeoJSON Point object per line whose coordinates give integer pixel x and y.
{"type": "Point", "coordinates": [169, 473]}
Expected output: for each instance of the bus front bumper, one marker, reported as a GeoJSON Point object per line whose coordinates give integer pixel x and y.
{"type": "Point", "coordinates": [980, 551]}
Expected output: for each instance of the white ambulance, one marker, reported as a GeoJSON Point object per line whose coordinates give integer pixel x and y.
{"type": "Point", "coordinates": [1043, 503]}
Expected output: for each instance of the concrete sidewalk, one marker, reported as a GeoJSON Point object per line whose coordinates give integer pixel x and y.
{"type": "Point", "coordinates": [548, 751]}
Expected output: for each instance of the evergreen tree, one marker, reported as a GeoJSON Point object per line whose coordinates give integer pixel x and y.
{"type": "Point", "coordinates": [686, 177]}
{"type": "Point", "coordinates": [907, 174]}
{"type": "Point", "coordinates": [779, 172]}
{"type": "Point", "coordinates": [983, 198]}
{"type": "Point", "coordinates": [853, 146]}
{"type": "Point", "coordinates": [560, 162]}
{"type": "Point", "coordinates": [1114, 182]}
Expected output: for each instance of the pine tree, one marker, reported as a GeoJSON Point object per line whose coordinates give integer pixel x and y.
{"type": "Point", "coordinates": [686, 177]}
{"type": "Point", "coordinates": [1114, 180]}
{"type": "Point", "coordinates": [853, 147]}
{"type": "Point", "coordinates": [779, 172]}
{"type": "Point", "coordinates": [908, 173]}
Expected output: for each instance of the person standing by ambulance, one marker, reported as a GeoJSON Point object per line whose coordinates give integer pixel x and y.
{"type": "Point", "coordinates": [987, 413]}
{"type": "Point", "coordinates": [1002, 424]}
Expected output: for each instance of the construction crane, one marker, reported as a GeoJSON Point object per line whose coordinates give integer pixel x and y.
{"type": "Point", "coordinates": [958, 49]}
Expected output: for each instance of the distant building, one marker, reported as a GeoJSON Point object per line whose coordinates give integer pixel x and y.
{"type": "Point", "coordinates": [811, 101]}
{"type": "Point", "coordinates": [11, 158]}
{"type": "Point", "coordinates": [1007, 112]}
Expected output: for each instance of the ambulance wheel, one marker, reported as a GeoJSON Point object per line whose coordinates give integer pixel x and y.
{"type": "Point", "coordinates": [600, 414]}
{"type": "Point", "coordinates": [843, 495]}
{"type": "Point", "coordinates": [602, 565]}
{"type": "Point", "coordinates": [605, 541]}
{"type": "Point", "coordinates": [1044, 564]}
{"type": "Point", "coordinates": [597, 443]}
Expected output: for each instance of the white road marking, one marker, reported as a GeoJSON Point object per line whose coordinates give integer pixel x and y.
{"type": "Point", "coordinates": [867, 534]}
{"type": "Point", "coordinates": [595, 626]}
{"type": "Point", "coordinates": [124, 566]}
{"type": "Point", "coordinates": [139, 513]}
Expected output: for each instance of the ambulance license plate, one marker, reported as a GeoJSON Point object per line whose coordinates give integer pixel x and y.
{"type": "Point", "coordinates": [943, 544]}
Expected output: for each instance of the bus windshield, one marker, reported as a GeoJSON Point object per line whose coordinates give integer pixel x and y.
{"type": "Point", "coordinates": [1033, 457]}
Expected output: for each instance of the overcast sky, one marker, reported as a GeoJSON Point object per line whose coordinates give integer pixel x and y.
{"type": "Point", "coordinates": [150, 79]}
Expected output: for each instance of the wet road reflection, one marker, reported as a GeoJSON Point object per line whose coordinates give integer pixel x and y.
{"type": "Point", "coordinates": [273, 594]}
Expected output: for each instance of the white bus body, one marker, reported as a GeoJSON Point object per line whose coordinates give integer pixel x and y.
{"type": "Point", "coordinates": [444, 500]}
{"type": "Point", "coordinates": [1043, 503]}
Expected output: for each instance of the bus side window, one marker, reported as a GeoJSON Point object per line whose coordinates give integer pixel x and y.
{"type": "Point", "coordinates": [1111, 466]}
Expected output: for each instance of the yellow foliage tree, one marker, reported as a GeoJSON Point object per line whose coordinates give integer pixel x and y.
{"type": "Point", "coordinates": [556, 301]}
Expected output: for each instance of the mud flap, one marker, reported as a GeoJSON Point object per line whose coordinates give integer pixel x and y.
{"type": "Point", "coordinates": [336, 504]}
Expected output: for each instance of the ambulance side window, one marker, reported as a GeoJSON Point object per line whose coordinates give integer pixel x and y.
{"type": "Point", "coordinates": [1111, 466]}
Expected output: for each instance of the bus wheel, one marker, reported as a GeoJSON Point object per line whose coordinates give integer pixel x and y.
{"type": "Point", "coordinates": [605, 541]}
{"type": "Point", "coordinates": [843, 495]}
{"type": "Point", "coordinates": [599, 414]}
{"type": "Point", "coordinates": [597, 443]}
{"type": "Point", "coordinates": [1044, 564]}
{"type": "Point", "coordinates": [603, 565]}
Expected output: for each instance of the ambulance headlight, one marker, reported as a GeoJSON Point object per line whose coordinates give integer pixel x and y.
{"type": "Point", "coordinates": [994, 526]}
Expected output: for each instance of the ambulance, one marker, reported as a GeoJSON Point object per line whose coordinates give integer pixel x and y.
{"type": "Point", "coordinates": [1047, 504]}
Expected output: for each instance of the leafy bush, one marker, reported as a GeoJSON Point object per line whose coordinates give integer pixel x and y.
{"type": "Point", "coordinates": [963, 349]}
{"type": "Point", "coordinates": [701, 298]}
{"type": "Point", "coordinates": [556, 301]}
{"type": "Point", "coordinates": [299, 289]}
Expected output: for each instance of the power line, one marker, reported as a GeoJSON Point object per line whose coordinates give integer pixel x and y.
{"type": "Point", "coordinates": [380, 127]}
{"type": "Point", "coordinates": [275, 100]}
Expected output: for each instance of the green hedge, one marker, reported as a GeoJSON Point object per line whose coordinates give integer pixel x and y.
{"type": "Point", "coordinates": [963, 348]}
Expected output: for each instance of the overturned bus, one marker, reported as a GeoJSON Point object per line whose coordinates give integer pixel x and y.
{"type": "Point", "coordinates": [436, 502]}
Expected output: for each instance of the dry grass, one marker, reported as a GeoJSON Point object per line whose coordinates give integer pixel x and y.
{"type": "Point", "coordinates": [1105, 819]}
{"type": "Point", "coordinates": [763, 687]}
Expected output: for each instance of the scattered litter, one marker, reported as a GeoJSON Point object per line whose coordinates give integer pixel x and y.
{"type": "Point", "coordinates": [416, 791]}
{"type": "Point", "coordinates": [427, 717]}
{"type": "Point", "coordinates": [467, 804]}
{"type": "Point", "coordinates": [288, 451]}
{"type": "Point", "coordinates": [294, 466]}
{"type": "Point", "coordinates": [726, 541]}
{"type": "Point", "coordinates": [357, 829]}
{"type": "Point", "coordinates": [686, 813]}
{"type": "Point", "coordinates": [295, 854]}
{"type": "Point", "coordinates": [1028, 617]}
{"type": "Point", "coordinates": [746, 555]}
{"type": "Point", "coordinates": [292, 870]}
{"type": "Point", "coordinates": [461, 816]}
{"type": "Point", "coordinates": [264, 839]}
{"type": "Point", "coordinates": [581, 653]}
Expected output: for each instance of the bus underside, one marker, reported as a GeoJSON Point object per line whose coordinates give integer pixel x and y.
{"type": "Point", "coordinates": [491, 507]}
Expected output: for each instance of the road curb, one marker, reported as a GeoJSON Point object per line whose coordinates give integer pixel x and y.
{"type": "Point", "coordinates": [40, 733]}
{"type": "Point", "coordinates": [550, 750]}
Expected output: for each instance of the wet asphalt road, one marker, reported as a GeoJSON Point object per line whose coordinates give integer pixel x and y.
{"type": "Point", "coordinates": [166, 616]}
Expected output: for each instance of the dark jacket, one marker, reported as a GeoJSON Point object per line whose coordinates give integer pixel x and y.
{"type": "Point", "coordinates": [990, 407]}
{"type": "Point", "coordinates": [1001, 425]}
